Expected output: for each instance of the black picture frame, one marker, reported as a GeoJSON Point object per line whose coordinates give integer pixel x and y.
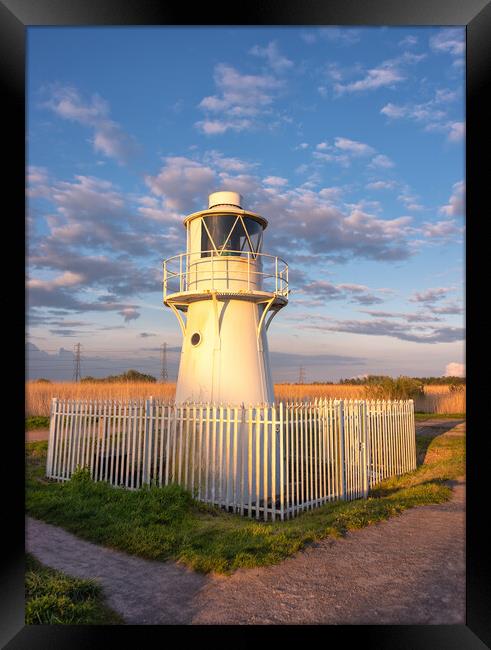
{"type": "Point", "coordinates": [15, 17]}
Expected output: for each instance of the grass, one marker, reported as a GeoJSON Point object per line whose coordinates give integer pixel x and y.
{"type": "Point", "coordinates": [53, 598]}
{"type": "Point", "coordinates": [167, 523]}
{"type": "Point", "coordinates": [438, 416]}
{"type": "Point", "coordinates": [437, 398]}
{"type": "Point", "coordinates": [37, 422]}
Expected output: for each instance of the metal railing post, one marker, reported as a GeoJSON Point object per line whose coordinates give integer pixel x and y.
{"type": "Point", "coordinates": [165, 279]}
{"type": "Point", "coordinates": [52, 427]}
{"type": "Point", "coordinates": [341, 450]}
{"type": "Point", "coordinates": [365, 448]}
{"type": "Point", "coordinates": [147, 442]}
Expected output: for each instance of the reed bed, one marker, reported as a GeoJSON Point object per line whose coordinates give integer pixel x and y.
{"type": "Point", "coordinates": [441, 399]}
{"type": "Point", "coordinates": [437, 398]}
{"type": "Point", "coordinates": [39, 394]}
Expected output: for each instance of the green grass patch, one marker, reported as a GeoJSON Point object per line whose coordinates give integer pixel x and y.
{"type": "Point", "coordinates": [167, 523]}
{"type": "Point", "coordinates": [53, 598]}
{"type": "Point", "coordinates": [439, 416]}
{"type": "Point", "coordinates": [37, 422]}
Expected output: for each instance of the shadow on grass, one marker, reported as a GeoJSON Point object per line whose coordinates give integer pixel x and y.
{"type": "Point", "coordinates": [425, 433]}
{"type": "Point", "coordinates": [381, 491]}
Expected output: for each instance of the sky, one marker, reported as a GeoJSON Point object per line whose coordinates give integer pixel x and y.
{"type": "Point", "coordinates": [351, 142]}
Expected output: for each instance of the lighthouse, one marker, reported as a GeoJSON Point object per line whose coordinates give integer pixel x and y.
{"type": "Point", "coordinates": [225, 292]}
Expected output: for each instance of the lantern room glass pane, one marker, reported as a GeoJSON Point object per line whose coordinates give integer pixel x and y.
{"type": "Point", "coordinates": [219, 227]}
{"type": "Point", "coordinates": [227, 235]}
{"type": "Point", "coordinates": [254, 230]}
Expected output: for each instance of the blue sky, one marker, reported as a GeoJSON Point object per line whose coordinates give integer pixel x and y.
{"type": "Point", "coordinates": [351, 142]}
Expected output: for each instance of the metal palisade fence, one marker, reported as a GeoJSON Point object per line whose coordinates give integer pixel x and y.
{"type": "Point", "coordinates": [266, 461]}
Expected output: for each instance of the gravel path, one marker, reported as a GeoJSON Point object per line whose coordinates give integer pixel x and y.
{"type": "Point", "coordinates": [143, 592]}
{"type": "Point", "coordinates": [407, 570]}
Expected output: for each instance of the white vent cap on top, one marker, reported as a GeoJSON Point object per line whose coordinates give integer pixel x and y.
{"type": "Point", "coordinates": [224, 198]}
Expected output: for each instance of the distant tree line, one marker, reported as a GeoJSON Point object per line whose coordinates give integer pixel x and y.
{"type": "Point", "coordinates": [376, 379]}
{"type": "Point", "coordinates": [128, 376]}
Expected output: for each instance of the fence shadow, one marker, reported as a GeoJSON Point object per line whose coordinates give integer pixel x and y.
{"type": "Point", "coordinates": [425, 433]}
{"type": "Point", "coordinates": [378, 492]}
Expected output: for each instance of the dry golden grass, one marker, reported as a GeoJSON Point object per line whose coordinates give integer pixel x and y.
{"type": "Point", "coordinates": [440, 399]}
{"type": "Point", "coordinates": [437, 399]}
{"type": "Point", "coordinates": [39, 394]}
{"type": "Point", "coordinates": [292, 392]}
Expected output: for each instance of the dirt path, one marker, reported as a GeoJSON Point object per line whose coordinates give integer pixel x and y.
{"type": "Point", "coordinates": [409, 570]}
{"type": "Point", "coordinates": [143, 592]}
{"type": "Point", "coordinates": [37, 434]}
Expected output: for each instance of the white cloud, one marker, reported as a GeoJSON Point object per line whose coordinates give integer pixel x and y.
{"type": "Point", "coordinates": [456, 202]}
{"type": "Point", "coordinates": [430, 295]}
{"type": "Point", "coordinates": [67, 279]}
{"type": "Point", "coordinates": [440, 229]}
{"type": "Point", "coordinates": [456, 131]}
{"type": "Point", "coordinates": [37, 182]}
{"type": "Point", "coordinates": [382, 327]}
{"type": "Point", "coordinates": [374, 78]}
{"type": "Point", "coordinates": [455, 369]}
{"type": "Point", "coordinates": [342, 151]}
{"type": "Point", "coordinates": [275, 60]}
{"type": "Point", "coordinates": [36, 175]}
{"type": "Point", "coordinates": [335, 35]}
{"type": "Point", "coordinates": [408, 41]}
{"type": "Point", "coordinates": [330, 193]}
{"type": "Point", "coordinates": [382, 161]}
{"type": "Point", "coordinates": [433, 113]}
{"type": "Point", "coordinates": [353, 147]}
{"type": "Point", "coordinates": [418, 112]}
{"type": "Point", "coordinates": [181, 181]}
{"type": "Point", "coordinates": [225, 163]}
{"type": "Point", "coordinates": [380, 185]}
{"type": "Point", "coordinates": [217, 127]}
{"type": "Point", "coordinates": [243, 99]}
{"type": "Point", "coordinates": [108, 137]}
{"type": "Point", "coordinates": [275, 181]}
{"type": "Point", "coordinates": [354, 293]}
{"type": "Point", "coordinates": [445, 95]}
{"type": "Point", "coordinates": [388, 73]}
{"type": "Point", "coordinates": [66, 102]}
{"type": "Point", "coordinates": [409, 200]}
{"type": "Point", "coordinates": [450, 41]}
{"type": "Point", "coordinates": [129, 313]}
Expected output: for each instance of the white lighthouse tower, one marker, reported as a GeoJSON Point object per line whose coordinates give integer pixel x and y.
{"type": "Point", "coordinates": [224, 292]}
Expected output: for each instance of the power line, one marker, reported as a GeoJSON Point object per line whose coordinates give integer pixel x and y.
{"type": "Point", "coordinates": [76, 363]}
{"type": "Point", "coordinates": [301, 375]}
{"type": "Point", "coordinates": [164, 375]}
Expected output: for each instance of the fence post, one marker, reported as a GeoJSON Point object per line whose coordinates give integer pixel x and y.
{"type": "Point", "coordinates": [413, 434]}
{"type": "Point", "coordinates": [52, 428]}
{"type": "Point", "coordinates": [341, 449]}
{"type": "Point", "coordinates": [147, 442]}
{"type": "Point", "coordinates": [366, 449]}
{"type": "Point", "coordinates": [282, 464]}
